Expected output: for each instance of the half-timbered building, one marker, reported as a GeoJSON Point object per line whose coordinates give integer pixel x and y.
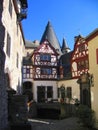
{"type": "Point", "coordinates": [42, 73]}
{"type": "Point", "coordinates": [40, 67]}
{"type": "Point", "coordinates": [51, 72]}
{"type": "Point", "coordinates": [80, 69]}
{"type": "Point", "coordinates": [74, 68]}
{"type": "Point", "coordinates": [79, 60]}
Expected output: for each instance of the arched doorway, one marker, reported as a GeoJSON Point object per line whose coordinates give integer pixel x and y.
{"type": "Point", "coordinates": [28, 90]}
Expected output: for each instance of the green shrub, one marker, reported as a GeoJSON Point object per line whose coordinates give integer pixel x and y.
{"type": "Point", "coordinates": [86, 115]}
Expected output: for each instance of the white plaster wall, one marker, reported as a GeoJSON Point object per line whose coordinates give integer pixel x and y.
{"type": "Point", "coordinates": [25, 80]}
{"type": "Point", "coordinates": [17, 46]}
{"type": "Point", "coordinates": [73, 84]}
{"type": "Point", "coordinates": [45, 83]}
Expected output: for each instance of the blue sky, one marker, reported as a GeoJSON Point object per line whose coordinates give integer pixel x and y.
{"type": "Point", "coordinates": [69, 18]}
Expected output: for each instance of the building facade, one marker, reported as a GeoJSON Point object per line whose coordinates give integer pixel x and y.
{"type": "Point", "coordinates": [92, 40]}
{"type": "Point", "coordinates": [3, 93]}
{"type": "Point", "coordinates": [40, 70]}
{"type": "Point", "coordinates": [11, 52]}
{"type": "Point", "coordinates": [47, 67]}
{"type": "Point", "coordinates": [43, 70]}
{"type": "Point", "coordinates": [14, 44]}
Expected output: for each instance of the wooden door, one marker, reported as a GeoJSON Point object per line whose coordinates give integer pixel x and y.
{"type": "Point", "coordinates": [41, 93]}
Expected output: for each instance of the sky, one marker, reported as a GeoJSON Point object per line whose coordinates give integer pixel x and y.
{"type": "Point", "coordinates": [69, 18]}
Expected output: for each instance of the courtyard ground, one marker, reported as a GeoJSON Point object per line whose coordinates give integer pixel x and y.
{"type": "Point", "coordinates": [64, 124]}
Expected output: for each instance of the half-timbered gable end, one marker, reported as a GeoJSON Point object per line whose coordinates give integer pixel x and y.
{"type": "Point", "coordinates": [45, 62]}
{"type": "Point", "coordinates": [79, 60]}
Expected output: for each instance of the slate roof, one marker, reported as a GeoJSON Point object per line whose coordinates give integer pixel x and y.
{"type": "Point", "coordinates": [30, 44]}
{"type": "Point", "coordinates": [50, 35]}
{"type": "Point", "coordinates": [65, 47]}
{"type": "Point", "coordinates": [27, 60]}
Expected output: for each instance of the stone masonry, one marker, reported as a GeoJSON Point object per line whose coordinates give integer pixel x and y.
{"type": "Point", "coordinates": [3, 93]}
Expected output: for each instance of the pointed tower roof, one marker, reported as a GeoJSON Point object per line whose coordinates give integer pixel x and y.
{"type": "Point", "coordinates": [50, 35]}
{"type": "Point", "coordinates": [65, 48]}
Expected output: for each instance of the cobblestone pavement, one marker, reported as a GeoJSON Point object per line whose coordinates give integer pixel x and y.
{"type": "Point", "coordinates": [65, 124]}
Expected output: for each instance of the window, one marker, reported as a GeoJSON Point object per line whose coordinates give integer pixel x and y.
{"type": "Point", "coordinates": [46, 71]}
{"type": "Point", "coordinates": [28, 72]}
{"type": "Point", "coordinates": [83, 64]}
{"type": "Point", "coordinates": [8, 44]}
{"type": "Point", "coordinates": [81, 47]}
{"type": "Point", "coordinates": [10, 8]}
{"type": "Point", "coordinates": [69, 92]}
{"type": "Point", "coordinates": [17, 60]}
{"type": "Point", "coordinates": [58, 92]}
{"type": "Point", "coordinates": [17, 29]}
{"type": "Point", "coordinates": [45, 57]}
{"type": "Point", "coordinates": [97, 55]}
{"type": "Point", "coordinates": [62, 89]}
{"type": "Point", "coordinates": [49, 91]}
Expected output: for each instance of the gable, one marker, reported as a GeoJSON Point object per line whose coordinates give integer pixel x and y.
{"type": "Point", "coordinates": [80, 49]}
{"type": "Point", "coordinates": [47, 48]}
{"type": "Point", "coordinates": [79, 59]}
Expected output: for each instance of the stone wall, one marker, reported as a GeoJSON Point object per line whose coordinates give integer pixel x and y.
{"type": "Point", "coordinates": [18, 111]}
{"type": "Point", "coordinates": [3, 93]}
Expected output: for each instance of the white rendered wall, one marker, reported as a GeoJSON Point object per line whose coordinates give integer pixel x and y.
{"type": "Point", "coordinates": [45, 83]}
{"type": "Point", "coordinates": [17, 46]}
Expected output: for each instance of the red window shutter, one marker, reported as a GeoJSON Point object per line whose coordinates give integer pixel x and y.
{"type": "Point", "coordinates": [97, 55]}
